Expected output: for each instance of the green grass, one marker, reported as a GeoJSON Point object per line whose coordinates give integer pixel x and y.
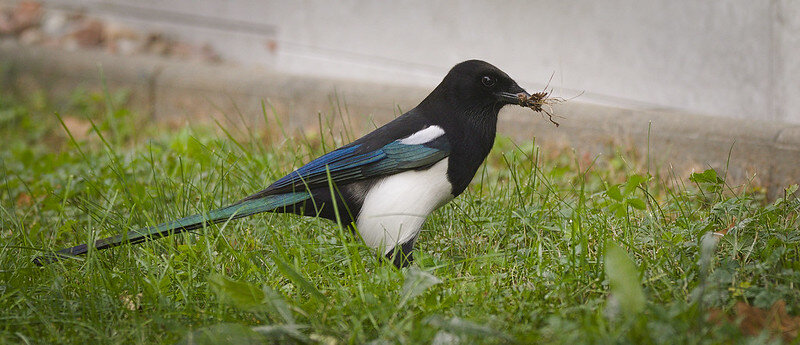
{"type": "Point", "coordinates": [543, 247]}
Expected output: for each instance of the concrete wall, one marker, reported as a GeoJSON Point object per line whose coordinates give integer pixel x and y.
{"type": "Point", "coordinates": [731, 58]}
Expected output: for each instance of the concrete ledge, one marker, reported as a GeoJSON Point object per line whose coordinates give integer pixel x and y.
{"type": "Point", "coordinates": [168, 90]}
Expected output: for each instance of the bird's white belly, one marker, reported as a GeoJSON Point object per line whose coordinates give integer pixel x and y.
{"type": "Point", "coordinates": [396, 206]}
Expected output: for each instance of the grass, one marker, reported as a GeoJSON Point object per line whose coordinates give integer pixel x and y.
{"type": "Point", "coordinates": [543, 247]}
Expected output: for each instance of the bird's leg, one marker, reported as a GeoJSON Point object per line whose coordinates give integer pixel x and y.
{"type": "Point", "coordinates": [402, 256]}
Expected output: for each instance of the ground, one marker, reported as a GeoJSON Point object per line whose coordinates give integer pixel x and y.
{"type": "Point", "coordinates": [546, 247]}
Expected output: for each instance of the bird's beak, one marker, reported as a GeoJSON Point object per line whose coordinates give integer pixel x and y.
{"type": "Point", "coordinates": [514, 98]}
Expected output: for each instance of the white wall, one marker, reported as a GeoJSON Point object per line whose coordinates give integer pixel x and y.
{"type": "Point", "coordinates": [732, 58]}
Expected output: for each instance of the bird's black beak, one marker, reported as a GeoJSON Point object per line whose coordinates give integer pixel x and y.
{"type": "Point", "coordinates": [516, 97]}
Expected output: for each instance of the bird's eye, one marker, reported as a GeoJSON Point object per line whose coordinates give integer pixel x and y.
{"type": "Point", "coordinates": [487, 81]}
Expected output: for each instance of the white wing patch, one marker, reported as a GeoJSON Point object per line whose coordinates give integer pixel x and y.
{"type": "Point", "coordinates": [396, 206]}
{"type": "Point", "coordinates": [423, 136]}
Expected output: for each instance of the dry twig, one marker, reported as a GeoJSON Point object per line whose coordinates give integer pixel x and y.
{"type": "Point", "coordinates": [541, 102]}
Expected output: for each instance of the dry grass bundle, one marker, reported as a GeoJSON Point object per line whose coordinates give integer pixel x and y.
{"type": "Point", "coordinates": [541, 102]}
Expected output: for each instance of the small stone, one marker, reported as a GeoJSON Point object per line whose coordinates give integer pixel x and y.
{"type": "Point", "coordinates": [31, 36]}
{"type": "Point", "coordinates": [157, 45]}
{"type": "Point", "coordinates": [6, 24]}
{"type": "Point", "coordinates": [118, 31]}
{"type": "Point", "coordinates": [121, 39]}
{"type": "Point", "coordinates": [272, 46]}
{"type": "Point", "coordinates": [88, 34]}
{"type": "Point", "coordinates": [126, 46]}
{"type": "Point", "coordinates": [27, 14]}
{"type": "Point", "coordinates": [54, 23]}
{"type": "Point", "coordinates": [181, 50]}
{"type": "Point", "coordinates": [208, 54]}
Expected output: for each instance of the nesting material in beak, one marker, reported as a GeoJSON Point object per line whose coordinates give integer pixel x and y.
{"type": "Point", "coordinates": [541, 102]}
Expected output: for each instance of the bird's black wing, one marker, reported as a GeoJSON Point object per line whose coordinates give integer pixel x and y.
{"type": "Point", "coordinates": [351, 164]}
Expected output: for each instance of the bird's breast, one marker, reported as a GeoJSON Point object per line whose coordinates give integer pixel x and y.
{"type": "Point", "coordinates": [396, 206]}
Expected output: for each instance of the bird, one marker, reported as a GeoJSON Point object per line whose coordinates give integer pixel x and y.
{"type": "Point", "coordinates": [383, 185]}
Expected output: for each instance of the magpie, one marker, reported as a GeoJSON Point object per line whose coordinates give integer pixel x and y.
{"type": "Point", "coordinates": [384, 184]}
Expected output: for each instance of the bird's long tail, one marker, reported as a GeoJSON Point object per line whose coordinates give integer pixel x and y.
{"type": "Point", "coordinates": [197, 221]}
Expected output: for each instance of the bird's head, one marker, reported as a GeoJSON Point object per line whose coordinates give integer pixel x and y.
{"type": "Point", "coordinates": [478, 83]}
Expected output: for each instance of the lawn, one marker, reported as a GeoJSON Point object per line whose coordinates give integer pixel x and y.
{"type": "Point", "coordinates": [544, 247]}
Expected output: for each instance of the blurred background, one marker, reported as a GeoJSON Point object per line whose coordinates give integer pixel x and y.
{"type": "Point", "coordinates": [730, 58]}
{"type": "Point", "coordinates": [698, 83]}
{"type": "Point", "coordinates": [660, 207]}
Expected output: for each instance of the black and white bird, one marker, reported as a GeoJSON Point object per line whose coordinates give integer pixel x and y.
{"type": "Point", "coordinates": [385, 184]}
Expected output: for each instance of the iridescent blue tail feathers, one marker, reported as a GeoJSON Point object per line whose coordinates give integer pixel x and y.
{"type": "Point", "coordinates": [197, 221]}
